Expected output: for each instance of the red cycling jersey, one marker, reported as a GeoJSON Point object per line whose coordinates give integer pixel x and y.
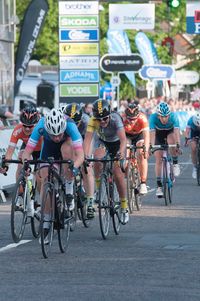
{"type": "Point", "coordinates": [136, 126]}
{"type": "Point", "coordinates": [18, 134]}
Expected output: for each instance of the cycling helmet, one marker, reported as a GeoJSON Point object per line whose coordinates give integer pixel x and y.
{"type": "Point", "coordinates": [163, 109]}
{"type": "Point", "coordinates": [29, 115]}
{"type": "Point", "coordinates": [196, 119]}
{"type": "Point", "coordinates": [132, 110]}
{"type": "Point", "coordinates": [62, 108]}
{"type": "Point", "coordinates": [101, 108]}
{"type": "Point", "coordinates": [55, 123]}
{"type": "Point", "coordinates": [74, 111]}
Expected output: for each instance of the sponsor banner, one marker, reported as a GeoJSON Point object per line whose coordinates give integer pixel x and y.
{"type": "Point", "coordinates": [118, 42]}
{"type": "Point", "coordinates": [193, 17]}
{"type": "Point", "coordinates": [79, 48]}
{"type": "Point", "coordinates": [79, 90]}
{"type": "Point", "coordinates": [32, 24]}
{"type": "Point", "coordinates": [79, 99]}
{"type": "Point", "coordinates": [78, 7]}
{"type": "Point", "coordinates": [156, 72]}
{"type": "Point", "coordinates": [78, 35]}
{"type": "Point", "coordinates": [70, 76]}
{"type": "Point", "coordinates": [79, 62]}
{"type": "Point", "coordinates": [132, 16]}
{"type": "Point", "coordinates": [185, 77]}
{"type": "Point", "coordinates": [73, 22]}
{"type": "Point", "coordinates": [121, 63]}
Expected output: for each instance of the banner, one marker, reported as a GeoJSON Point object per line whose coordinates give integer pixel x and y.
{"type": "Point", "coordinates": [32, 23]}
{"type": "Point", "coordinates": [118, 42]}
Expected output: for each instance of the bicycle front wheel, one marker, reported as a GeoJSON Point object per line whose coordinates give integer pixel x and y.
{"type": "Point", "coordinates": [130, 188]}
{"type": "Point", "coordinates": [63, 221]}
{"type": "Point", "coordinates": [167, 184]}
{"type": "Point", "coordinates": [35, 220]}
{"type": "Point", "coordinates": [47, 218]}
{"type": "Point", "coordinates": [138, 199]}
{"type": "Point", "coordinates": [19, 210]}
{"type": "Point", "coordinates": [116, 210]}
{"type": "Point", "coordinates": [104, 209]}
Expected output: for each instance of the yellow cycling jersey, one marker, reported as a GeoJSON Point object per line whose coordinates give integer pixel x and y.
{"type": "Point", "coordinates": [109, 133]}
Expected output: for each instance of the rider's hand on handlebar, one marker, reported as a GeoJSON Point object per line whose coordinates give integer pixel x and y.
{"type": "Point", "coordinates": [4, 169]}
{"type": "Point", "coordinates": [186, 141]}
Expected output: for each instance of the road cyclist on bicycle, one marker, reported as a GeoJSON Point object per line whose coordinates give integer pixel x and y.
{"type": "Point", "coordinates": [61, 140]}
{"type": "Point", "coordinates": [28, 119]}
{"type": "Point", "coordinates": [75, 112]}
{"type": "Point", "coordinates": [193, 131]}
{"type": "Point", "coordinates": [111, 137]}
{"type": "Point", "coordinates": [137, 131]}
{"type": "Point", "coordinates": [164, 125]}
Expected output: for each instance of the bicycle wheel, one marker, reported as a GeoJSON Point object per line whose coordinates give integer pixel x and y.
{"type": "Point", "coordinates": [198, 165]}
{"type": "Point", "coordinates": [82, 207]}
{"type": "Point", "coordinates": [138, 199]}
{"type": "Point", "coordinates": [116, 210]}
{"type": "Point", "coordinates": [63, 222]}
{"type": "Point", "coordinates": [166, 188]}
{"type": "Point", "coordinates": [130, 188]}
{"type": "Point", "coordinates": [47, 218]}
{"type": "Point", "coordinates": [104, 209]}
{"type": "Point", "coordinates": [19, 210]}
{"type": "Point", "coordinates": [35, 221]}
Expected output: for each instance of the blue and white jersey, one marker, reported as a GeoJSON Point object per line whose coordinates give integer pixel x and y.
{"type": "Point", "coordinates": [194, 130]}
{"type": "Point", "coordinates": [70, 131]}
{"type": "Point", "coordinates": [156, 124]}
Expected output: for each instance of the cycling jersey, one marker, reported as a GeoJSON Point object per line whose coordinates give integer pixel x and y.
{"type": "Point", "coordinates": [194, 130]}
{"type": "Point", "coordinates": [39, 131]}
{"type": "Point", "coordinates": [109, 133]}
{"type": "Point", "coordinates": [156, 124]}
{"type": "Point", "coordinates": [136, 126]}
{"type": "Point", "coordinates": [18, 134]}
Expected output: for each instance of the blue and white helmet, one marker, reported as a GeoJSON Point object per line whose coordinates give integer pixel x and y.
{"type": "Point", "coordinates": [55, 123]}
{"type": "Point", "coordinates": [196, 118]}
{"type": "Point", "coordinates": [163, 109]}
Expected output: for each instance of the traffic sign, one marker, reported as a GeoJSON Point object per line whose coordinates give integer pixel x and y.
{"type": "Point", "coordinates": [156, 72]}
{"type": "Point", "coordinates": [111, 63]}
{"type": "Point", "coordinates": [115, 81]}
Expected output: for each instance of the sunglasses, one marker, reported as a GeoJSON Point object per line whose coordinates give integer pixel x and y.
{"type": "Point", "coordinates": [28, 126]}
{"type": "Point", "coordinates": [103, 119]}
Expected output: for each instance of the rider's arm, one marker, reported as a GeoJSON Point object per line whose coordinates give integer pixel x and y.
{"type": "Point", "coordinates": [87, 144]}
{"type": "Point", "coordinates": [91, 129]}
{"type": "Point", "coordinates": [9, 153]}
{"type": "Point", "coordinates": [146, 136]}
{"type": "Point", "coordinates": [77, 143]}
{"type": "Point", "coordinates": [152, 126]}
{"type": "Point", "coordinates": [122, 137]}
{"type": "Point", "coordinates": [152, 137]}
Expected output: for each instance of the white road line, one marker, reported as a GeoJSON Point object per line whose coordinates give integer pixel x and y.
{"type": "Point", "coordinates": [11, 246]}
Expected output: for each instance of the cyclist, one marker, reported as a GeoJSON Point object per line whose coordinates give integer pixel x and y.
{"type": "Point", "coordinates": [61, 139]}
{"type": "Point", "coordinates": [192, 131]}
{"type": "Point", "coordinates": [137, 131]}
{"type": "Point", "coordinates": [22, 131]}
{"type": "Point", "coordinates": [164, 125]}
{"type": "Point", "coordinates": [110, 130]}
{"type": "Point", "coordinates": [75, 112]}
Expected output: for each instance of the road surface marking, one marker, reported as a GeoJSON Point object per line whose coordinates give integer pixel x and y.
{"type": "Point", "coordinates": [11, 246]}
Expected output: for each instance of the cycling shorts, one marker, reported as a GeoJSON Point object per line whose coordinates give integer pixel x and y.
{"type": "Point", "coordinates": [161, 135]}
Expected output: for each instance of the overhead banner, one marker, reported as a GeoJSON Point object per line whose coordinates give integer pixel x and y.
{"type": "Point", "coordinates": [132, 16]}
{"type": "Point", "coordinates": [118, 43]}
{"type": "Point", "coordinates": [78, 51]}
{"type": "Point", "coordinates": [193, 17]}
{"type": "Point", "coordinates": [32, 24]}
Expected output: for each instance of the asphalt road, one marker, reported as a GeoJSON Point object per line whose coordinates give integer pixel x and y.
{"type": "Point", "coordinates": [155, 257]}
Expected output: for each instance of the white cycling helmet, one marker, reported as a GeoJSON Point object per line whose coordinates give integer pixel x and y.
{"type": "Point", "coordinates": [196, 119]}
{"type": "Point", "coordinates": [55, 123]}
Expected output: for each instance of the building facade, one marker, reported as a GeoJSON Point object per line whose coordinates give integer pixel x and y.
{"type": "Point", "coordinates": [7, 38]}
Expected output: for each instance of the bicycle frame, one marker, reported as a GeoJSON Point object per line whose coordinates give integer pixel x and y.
{"type": "Point", "coordinates": [167, 170]}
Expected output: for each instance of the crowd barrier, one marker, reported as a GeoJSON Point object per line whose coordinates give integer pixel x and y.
{"type": "Point", "coordinates": [7, 182]}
